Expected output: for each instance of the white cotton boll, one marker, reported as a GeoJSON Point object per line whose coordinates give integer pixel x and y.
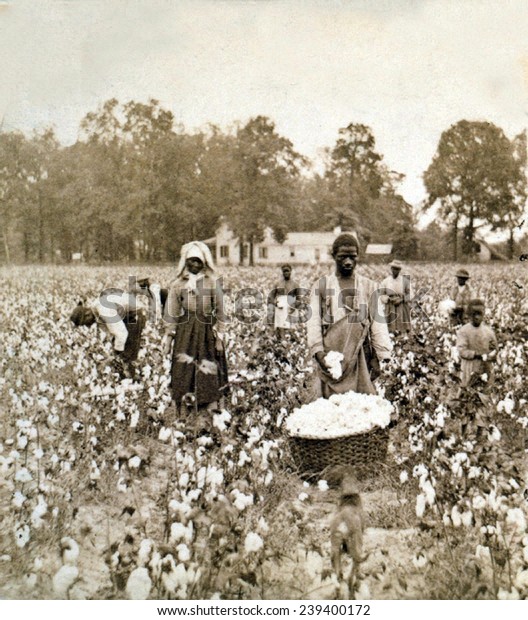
{"type": "Point", "coordinates": [404, 476]}
{"type": "Point", "coordinates": [262, 526]}
{"type": "Point", "coordinates": [145, 551]}
{"type": "Point", "coordinates": [268, 478]}
{"type": "Point", "coordinates": [134, 462]}
{"type": "Point", "coordinates": [63, 580]}
{"type": "Point", "coordinates": [184, 479]}
{"type": "Point", "coordinates": [18, 499]}
{"type": "Point", "coordinates": [333, 361]}
{"type": "Point", "coordinates": [446, 307]}
{"type": "Point", "coordinates": [456, 517]}
{"type": "Point", "coordinates": [521, 580]}
{"type": "Point", "coordinates": [22, 535]}
{"type": "Point", "coordinates": [420, 505]}
{"type": "Point", "coordinates": [482, 553]}
{"type": "Point", "coordinates": [363, 592]}
{"type": "Point", "coordinates": [478, 502]}
{"type": "Point", "coordinates": [494, 434]}
{"type": "Point", "coordinates": [38, 512]}
{"type": "Point", "coordinates": [164, 434]}
{"type": "Point", "coordinates": [253, 542]}
{"type": "Point", "coordinates": [23, 475]}
{"type": "Point", "coordinates": [303, 496]}
{"type": "Point", "coordinates": [138, 584]}
{"type": "Point", "coordinates": [467, 518]}
{"type": "Point", "coordinates": [515, 518]}
{"type": "Point", "coordinates": [505, 595]}
{"type": "Point", "coordinates": [184, 555]}
{"type": "Point", "coordinates": [70, 550]}
{"type": "Point", "coordinates": [322, 485]}
{"type": "Point", "coordinates": [429, 492]}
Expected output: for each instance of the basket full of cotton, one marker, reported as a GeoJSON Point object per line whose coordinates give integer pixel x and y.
{"type": "Point", "coordinates": [346, 429]}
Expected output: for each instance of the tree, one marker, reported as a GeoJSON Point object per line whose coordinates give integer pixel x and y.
{"type": "Point", "coordinates": [472, 175]}
{"type": "Point", "coordinates": [267, 167]}
{"type": "Point", "coordinates": [509, 214]}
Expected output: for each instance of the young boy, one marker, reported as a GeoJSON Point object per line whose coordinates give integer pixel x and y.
{"type": "Point", "coordinates": [283, 300]}
{"type": "Point", "coordinates": [461, 294]}
{"type": "Point", "coordinates": [476, 343]}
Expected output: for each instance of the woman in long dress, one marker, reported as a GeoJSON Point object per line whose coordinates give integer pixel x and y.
{"type": "Point", "coordinates": [194, 328]}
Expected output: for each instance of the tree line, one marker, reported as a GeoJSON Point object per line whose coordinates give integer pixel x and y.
{"type": "Point", "coordinates": [136, 186]}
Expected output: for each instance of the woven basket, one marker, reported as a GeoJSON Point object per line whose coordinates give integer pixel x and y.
{"type": "Point", "coordinates": [364, 449]}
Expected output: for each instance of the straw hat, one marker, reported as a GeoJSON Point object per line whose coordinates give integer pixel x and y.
{"type": "Point", "coordinates": [462, 273]}
{"type": "Point", "coordinates": [396, 264]}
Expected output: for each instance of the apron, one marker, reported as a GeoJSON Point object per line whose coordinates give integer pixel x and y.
{"type": "Point", "coordinates": [281, 320]}
{"type": "Point", "coordinates": [351, 339]}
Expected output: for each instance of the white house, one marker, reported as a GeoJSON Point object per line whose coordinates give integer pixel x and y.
{"type": "Point", "coordinates": [297, 248]}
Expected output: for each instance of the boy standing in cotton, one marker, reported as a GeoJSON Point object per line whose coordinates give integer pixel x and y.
{"type": "Point", "coordinates": [476, 343]}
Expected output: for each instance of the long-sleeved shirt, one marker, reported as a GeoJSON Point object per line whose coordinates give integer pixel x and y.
{"type": "Point", "coordinates": [201, 294]}
{"type": "Point", "coordinates": [328, 304]}
{"type": "Point", "coordinates": [462, 295]}
{"type": "Point", "coordinates": [112, 305]}
{"type": "Point", "coordinates": [396, 286]}
{"type": "Point", "coordinates": [473, 341]}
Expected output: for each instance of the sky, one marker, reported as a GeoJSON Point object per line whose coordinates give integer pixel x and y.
{"type": "Point", "coordinates": [407, 68]}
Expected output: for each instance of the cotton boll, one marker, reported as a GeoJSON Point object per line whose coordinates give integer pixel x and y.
{"type": "Point", "coordinates": [70, 550]}
{"type": "Point", "coordinates": [138, 584]}
{"type": "Point", "coordinates": [63, 580]}
{"type": "Point", "coordinates": [184, 555]}
{"type": "Point", "coordinates": [253, 542]}
{"type": "Point", "coordinates": [420, 505]}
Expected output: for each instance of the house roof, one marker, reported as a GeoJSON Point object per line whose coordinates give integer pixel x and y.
{"type": "Point", "coordinates": [309, 238]}
{"type": "Point", "coordinates": [379, 248]}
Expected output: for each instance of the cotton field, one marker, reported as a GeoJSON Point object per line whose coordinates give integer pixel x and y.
{"type": "Point", "coordinates": [106, 491]}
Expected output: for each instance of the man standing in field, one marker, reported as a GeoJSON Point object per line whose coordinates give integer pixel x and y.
{"type": "Point", "coordinates": [283, 301]}
{"type": "Point", "coordinates": [396, 296]}
{"type": "Point", "coordinates": [347, 325]}
{"type": "Point", "coordinates": [461, 295]}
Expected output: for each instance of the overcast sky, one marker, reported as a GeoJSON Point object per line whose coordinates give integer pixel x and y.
{"type": "Point", "coordinates": [407, 68]}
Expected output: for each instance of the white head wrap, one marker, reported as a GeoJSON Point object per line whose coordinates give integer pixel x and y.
{"type": "Point", "coordinates": [195, 249]}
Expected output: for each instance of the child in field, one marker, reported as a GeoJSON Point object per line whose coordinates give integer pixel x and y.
{"type": "Point", "coordinates": [461, 295]}
{"type": "Point", "coordinates": [123, 314]}
{"type": "Point", "coordinates": [476, 343]}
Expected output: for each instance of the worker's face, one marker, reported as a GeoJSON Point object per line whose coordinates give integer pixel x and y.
{"type": "Point", "coordinates": [461, 280]}
{"type": "Point", "coordinates": [477, 316]}
{"type": "Point", "coordinates": [194, 265]}
{"type": "Point", "coordinates": [286, 273]}
{"type": "Point", "coordinates": [346, 259]}
{"type": "Point", "coordinates": [395, 271]}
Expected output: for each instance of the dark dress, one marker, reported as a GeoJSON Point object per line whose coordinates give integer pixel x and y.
{"type": "Point", "coordinates": [197, 367]}
{"type": "Point", "coordinates": [135, 323]}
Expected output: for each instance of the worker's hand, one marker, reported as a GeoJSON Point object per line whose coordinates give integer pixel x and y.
{"type": "Point", "coordinates": [320, 357]}
{"type": "Point", "coordinates": [166, 344]}
{"type": "Point", "coordinates": [219, 343]}
{"type": "Point", "coordinates": [396, 299]}
{"type": "Point", "coordinates": [375, 368]}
